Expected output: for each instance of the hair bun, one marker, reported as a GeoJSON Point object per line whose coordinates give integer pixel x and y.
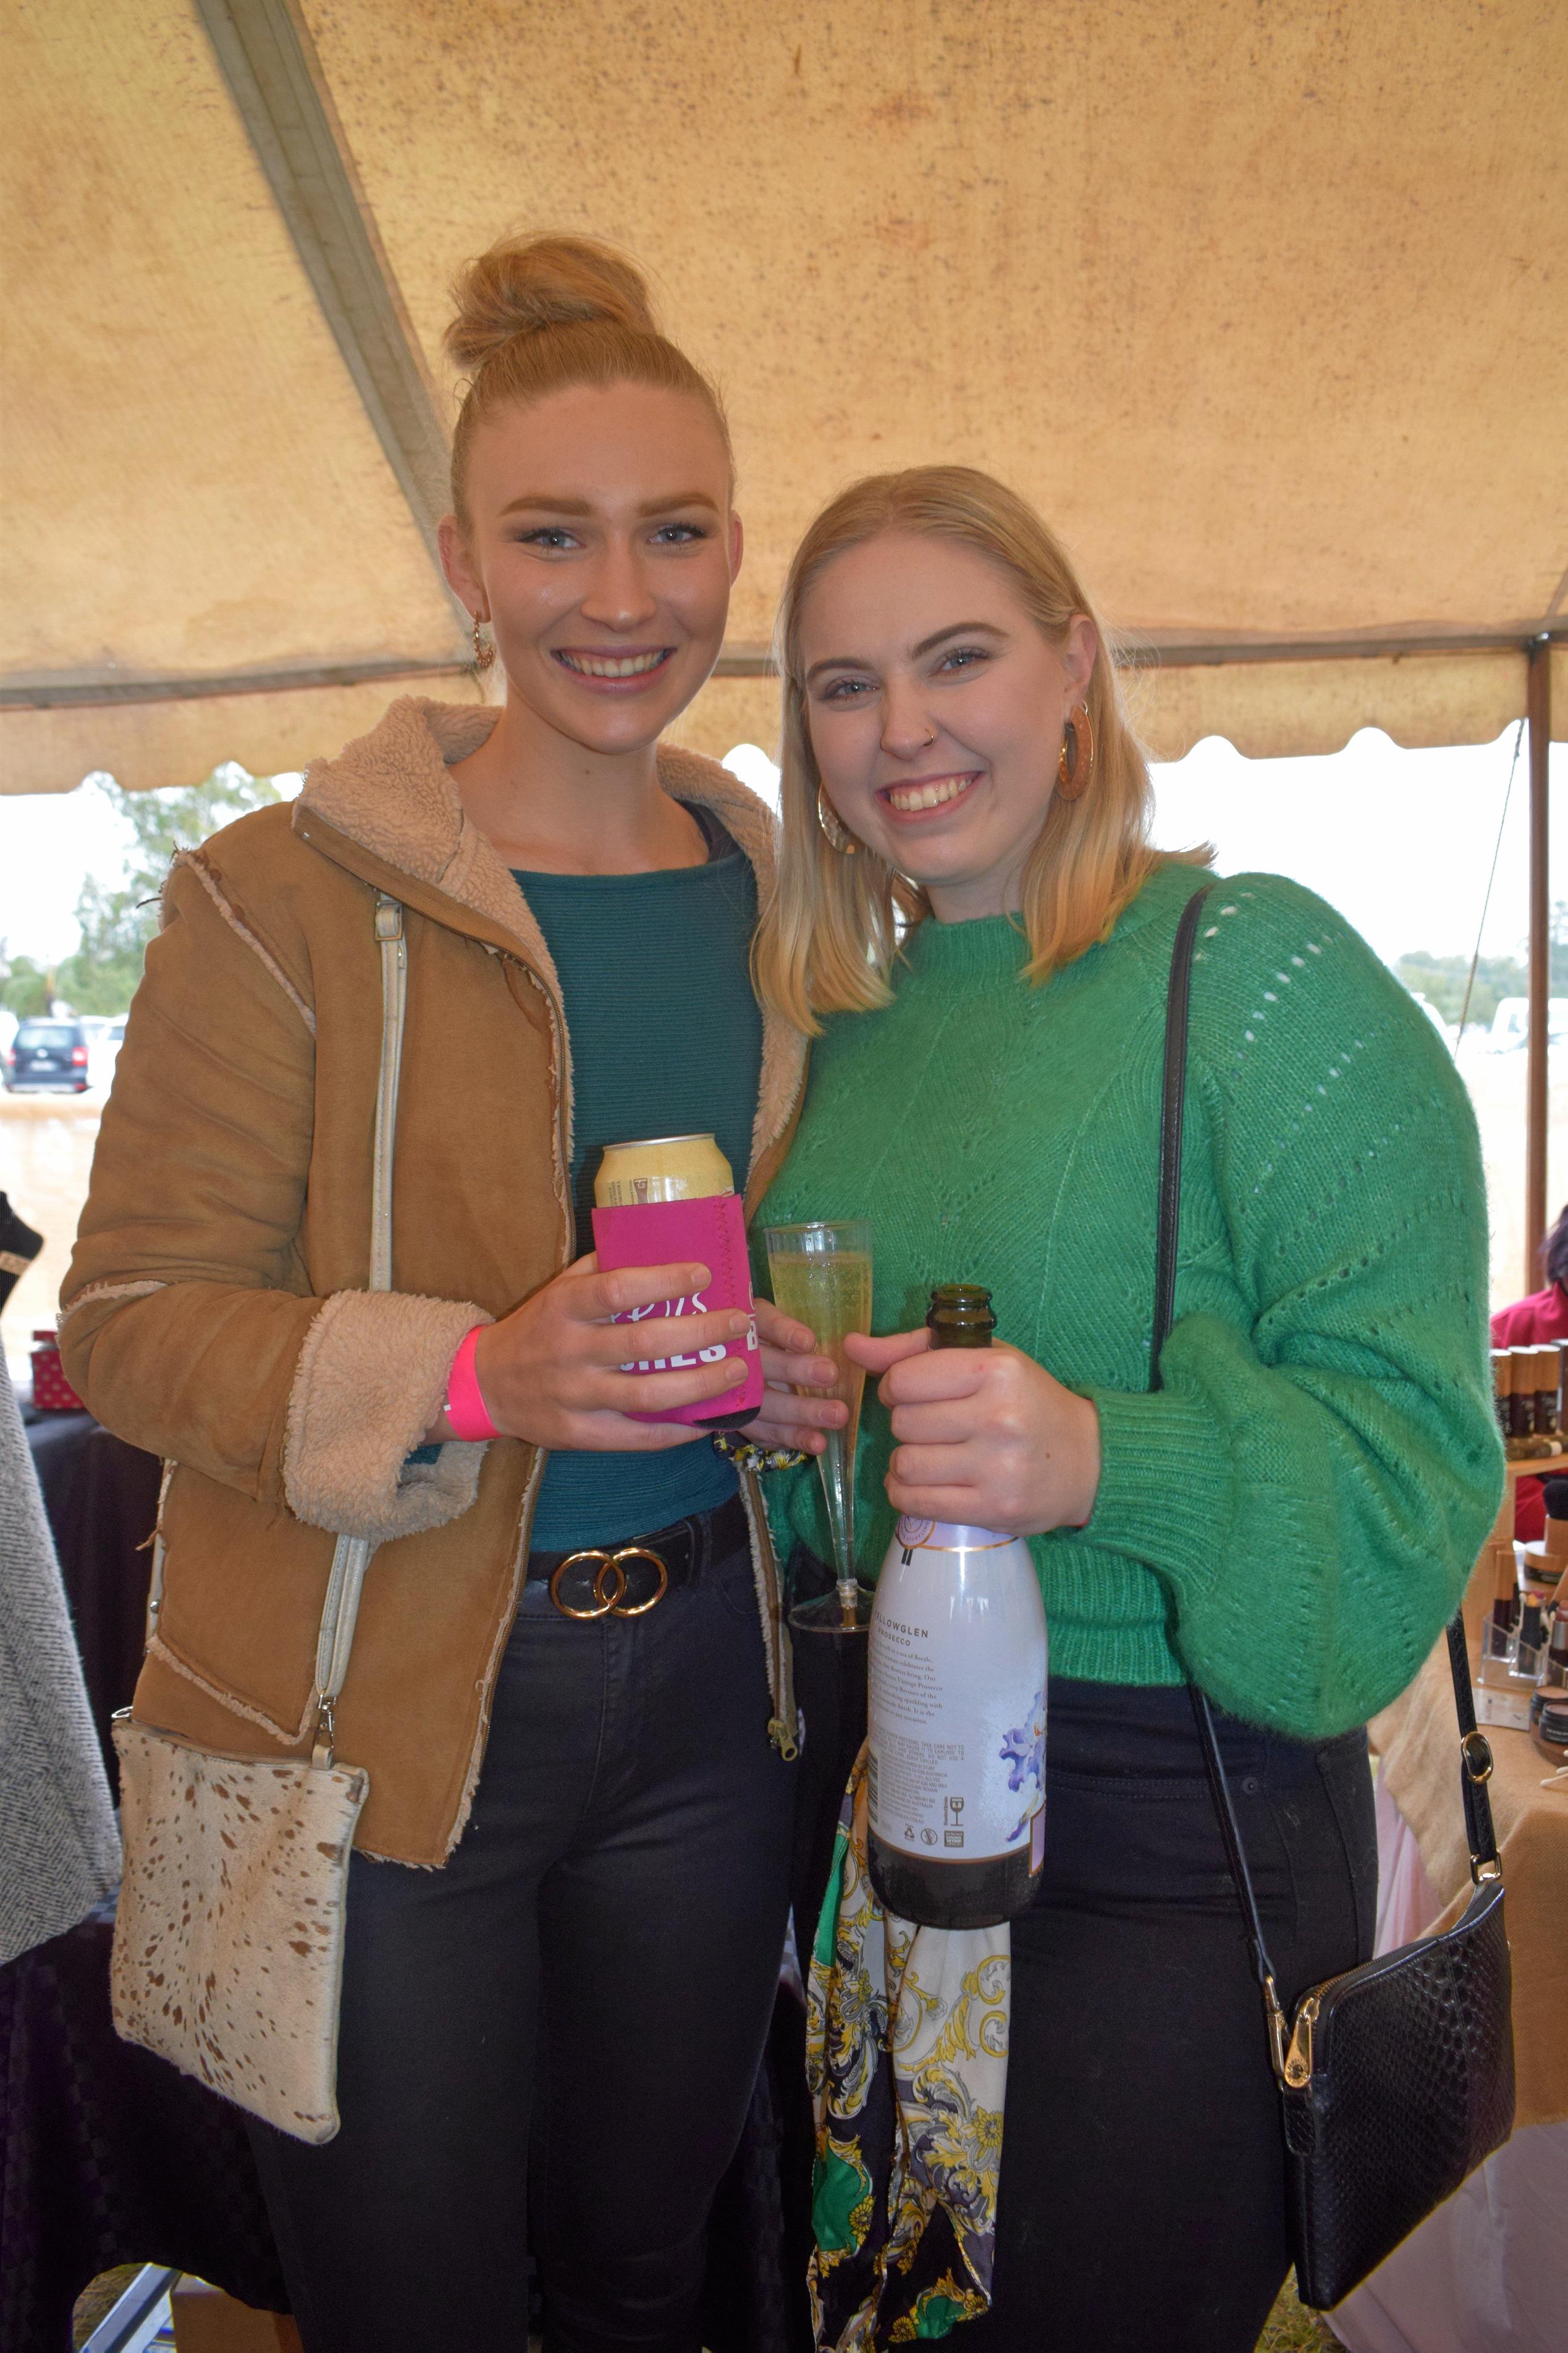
{"type": "Point", "coordinates": [526, 283]}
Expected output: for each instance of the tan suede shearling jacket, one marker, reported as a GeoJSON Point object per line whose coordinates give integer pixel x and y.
{"type": "Point", "coordinates": [215, 1311]}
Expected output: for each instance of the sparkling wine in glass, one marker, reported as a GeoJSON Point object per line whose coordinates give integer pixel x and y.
{"type": "Point", "coordinates": [822, 1276]}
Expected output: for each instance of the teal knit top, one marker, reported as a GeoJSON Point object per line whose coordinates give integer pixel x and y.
{"type": "Point", "coordinates": [667, 1040]}
{"type": "Point", "coordinates": [1293, 1515]}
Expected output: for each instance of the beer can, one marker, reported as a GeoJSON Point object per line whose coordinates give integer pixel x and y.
{"type": "Point", "coordinates": [662, 1168]}
{"type": "Point", "coordinates": [672, 1198]}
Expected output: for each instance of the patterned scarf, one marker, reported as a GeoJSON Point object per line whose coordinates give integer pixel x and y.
{"type": "Point", "coordinates": [907, 2056]}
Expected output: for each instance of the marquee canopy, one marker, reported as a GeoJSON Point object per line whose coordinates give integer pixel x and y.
{"type": "Point", "coordinates": [1261, 301]}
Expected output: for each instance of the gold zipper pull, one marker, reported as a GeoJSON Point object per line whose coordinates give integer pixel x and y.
{"type": "Point", "coordinates": [1299, 2058]}
{"type": "Point", "coordinates": [1278, 2033]}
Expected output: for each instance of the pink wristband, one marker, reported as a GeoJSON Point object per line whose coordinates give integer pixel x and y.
{"type": "Point", "coordinates": [465, 1405]}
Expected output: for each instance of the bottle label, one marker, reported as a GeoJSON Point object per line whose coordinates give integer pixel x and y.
{"type": "Point", "coordinates": [957, 1740]}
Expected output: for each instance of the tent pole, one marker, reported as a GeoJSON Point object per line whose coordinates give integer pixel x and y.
{"type": "Point", "coordinates": [267, 57]}
{"type": "Point", "coordinates": [1538, 714]}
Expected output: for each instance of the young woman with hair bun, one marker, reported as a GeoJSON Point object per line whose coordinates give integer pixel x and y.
{"type": "Point", "coordinates": [972, 920]}
{"type": "Point", "coordinates": [567, 1899]}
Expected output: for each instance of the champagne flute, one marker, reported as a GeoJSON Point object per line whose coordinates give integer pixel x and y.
{"type": "Point", "coordinates": [821, 1275]}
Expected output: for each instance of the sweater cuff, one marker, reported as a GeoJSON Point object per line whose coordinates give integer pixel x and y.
{"type": "Point", "coordinates": [371, 1379]}
{"type": "Point", "coordinates": [1164, 1496]}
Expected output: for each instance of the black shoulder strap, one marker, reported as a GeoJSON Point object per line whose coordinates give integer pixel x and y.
{"type": "Point", "coordinates": [1178, 996]}
{"type": "Point", "coordinates": [1476, 1758]}
{"type": "Point", "coordinates": [1475, 1761]}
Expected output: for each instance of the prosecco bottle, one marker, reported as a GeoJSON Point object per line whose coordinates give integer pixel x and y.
{"type": "Point", "coordinates": [956, 1742]}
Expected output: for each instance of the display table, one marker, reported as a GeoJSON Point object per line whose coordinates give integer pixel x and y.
{"type": "Point", "coordinates": [101, 1498]}
{"type": "Point", "coordinates": [1487, 2273]}
{"type": "Point", "coordinates": [109, 2156]}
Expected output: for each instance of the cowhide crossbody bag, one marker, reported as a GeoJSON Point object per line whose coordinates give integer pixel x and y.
{"type": "Point", "coordinates": [228, 1941]}
{"type": "Point", "coordinates": [1395, 2079]}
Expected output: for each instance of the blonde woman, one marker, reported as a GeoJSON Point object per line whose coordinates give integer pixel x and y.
{"type": "Point", "coordinates": [568, 1894]}
{"type": "Point", "coordinates": [1289, 1521]}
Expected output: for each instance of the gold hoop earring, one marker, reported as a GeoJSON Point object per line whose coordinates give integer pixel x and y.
{"type": "Point", "coordinates": [833, 828]}
{"type": "Point", "coordinates": [1075, 763]}
{"type": "Point", "coordinates": [483, 655]}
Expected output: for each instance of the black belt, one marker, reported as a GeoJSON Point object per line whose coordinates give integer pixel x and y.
{"type": "Point", "coordinates": [628, 1579]}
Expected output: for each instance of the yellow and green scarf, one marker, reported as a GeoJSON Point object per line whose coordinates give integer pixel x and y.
{"type": "Point", "coordinates": [907, 2056]}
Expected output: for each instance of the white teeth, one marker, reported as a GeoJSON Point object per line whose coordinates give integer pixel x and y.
{"type": "Point", "coordinates": [905, 798]}
{"type": "Point", "coordinates": [607, 666]}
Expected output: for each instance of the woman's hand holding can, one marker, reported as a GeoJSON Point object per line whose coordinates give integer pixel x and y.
{"type": "Point", "coordinates": [550, 1372]}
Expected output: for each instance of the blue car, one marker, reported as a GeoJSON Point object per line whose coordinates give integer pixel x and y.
{"type": "Point", "coordinates": [48, 1054]}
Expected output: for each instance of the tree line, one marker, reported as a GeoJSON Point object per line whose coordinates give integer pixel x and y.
{"type": "Point", "coordinates": [101, 977]}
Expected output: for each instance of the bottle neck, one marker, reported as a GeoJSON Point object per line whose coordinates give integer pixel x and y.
{"type": "Point", "coordinates": [950, 1535]}
{"type": "Point", "coordinates": [961, 1316]}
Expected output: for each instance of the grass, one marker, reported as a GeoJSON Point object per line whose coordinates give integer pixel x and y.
{"type": "Point", "coordinates": [98, 2300]}
{"type": "Point", "coordinates": [1292, 2328]}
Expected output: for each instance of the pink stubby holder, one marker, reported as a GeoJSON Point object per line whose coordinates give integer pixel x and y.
{"type": "Point", "coordinates": [711, 1230]}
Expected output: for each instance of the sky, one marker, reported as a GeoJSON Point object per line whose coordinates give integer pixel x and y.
{"type": "Point", "coordinates": [1400, 842]}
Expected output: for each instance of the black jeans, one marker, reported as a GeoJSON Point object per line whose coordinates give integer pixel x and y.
{"type": "Point", "coordinates": [593, 1970]}
{"type": "Point", "coordinates": [1141, 2201]}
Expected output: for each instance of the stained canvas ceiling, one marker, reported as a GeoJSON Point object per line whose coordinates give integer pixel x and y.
{"type": "Point", "coordinates": [1263, 304]}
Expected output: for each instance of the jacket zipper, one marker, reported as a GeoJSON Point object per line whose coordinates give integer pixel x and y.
{"type": "Point", "coordinates": [541, 1453]}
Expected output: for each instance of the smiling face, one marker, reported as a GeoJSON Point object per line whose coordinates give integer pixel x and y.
{"type": "Point", "coordinates": [601, 548]}
{"type": "Point", "coordinates": [936, 707]}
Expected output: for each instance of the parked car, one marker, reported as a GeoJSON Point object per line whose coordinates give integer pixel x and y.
{"type": "Point", "coordinates": [48, 1054]}
{"type": "Point", "coordinates": [1510, 1023]}
{"type": "Point", "coordinates": [105, 1036]}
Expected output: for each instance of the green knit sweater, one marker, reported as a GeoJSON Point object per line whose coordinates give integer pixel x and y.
{"type": "Point", "coordinates": [1293, 1515]}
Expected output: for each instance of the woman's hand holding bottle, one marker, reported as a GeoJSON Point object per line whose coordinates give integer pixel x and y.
{"type": "Point", "coordinates": [986, 1436]}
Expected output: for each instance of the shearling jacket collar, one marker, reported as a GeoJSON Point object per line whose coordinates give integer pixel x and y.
{"type": "Point", "coordinates": [391, 792]}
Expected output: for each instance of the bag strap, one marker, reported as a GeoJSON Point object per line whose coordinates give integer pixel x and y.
{"type": "Point", "coordinates": [351, 1555]}
{"type": "Point", "coordinates": [1475, 1762]}
{"type": "Point", "coordinates": [1475, 1753]}
{"type": "Point", "coordinates": [1172, 1105]}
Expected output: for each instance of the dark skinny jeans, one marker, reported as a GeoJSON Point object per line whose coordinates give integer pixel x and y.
{"type": "Point", "coordinates": [1142, 2200]}
{"type": "Point", "coordinates": [594, 1967]}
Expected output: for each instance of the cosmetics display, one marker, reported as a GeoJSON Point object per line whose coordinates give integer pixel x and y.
{"type": "Point", "coordinates": [1524, 1637]}
{"type": "Point", "coordinates": [1548, 1707]}
{"type": "Point", "coordinates": [1527, 1389]}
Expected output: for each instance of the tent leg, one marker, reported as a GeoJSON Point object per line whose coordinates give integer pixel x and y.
{"type": "Point", "coordinates": [1538, 711]}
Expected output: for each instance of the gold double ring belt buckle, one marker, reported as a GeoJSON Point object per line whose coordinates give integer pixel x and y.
{"type": "Point", "coordinates": [610, 1585]}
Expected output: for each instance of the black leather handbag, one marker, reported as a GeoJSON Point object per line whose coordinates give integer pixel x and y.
{"type": "Point", "coordinates": [1396, 2079]}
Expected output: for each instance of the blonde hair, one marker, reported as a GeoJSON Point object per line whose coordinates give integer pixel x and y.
{"type": "Point", "coordinates": [536, 314]}
{"type": "Point", "coordinates": [830, 929]}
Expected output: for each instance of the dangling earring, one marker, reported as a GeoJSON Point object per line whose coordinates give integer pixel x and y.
{"type": "Point", "coordinates": [483, 655]}
{"type": "Point", "coordinates": [833, 828]}
{"type": "Point", "coordinates": [1076, 763]}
